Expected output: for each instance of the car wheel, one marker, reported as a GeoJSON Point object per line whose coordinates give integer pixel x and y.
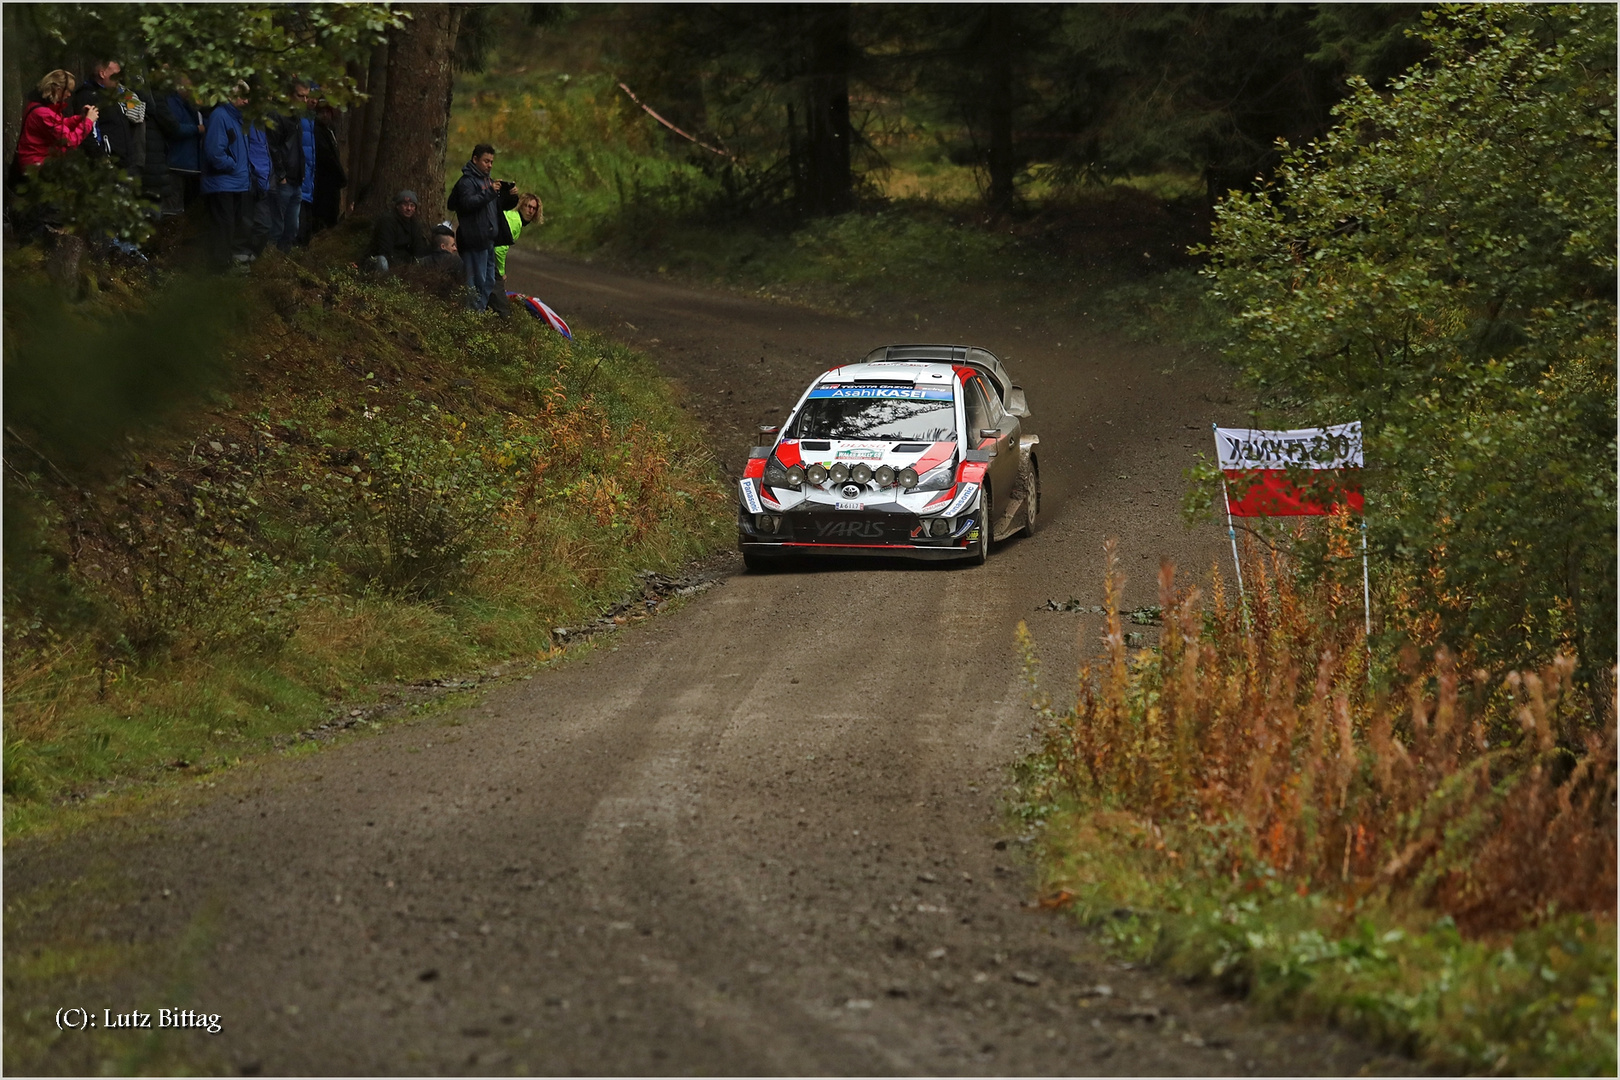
{"type": "Point", "coordinates": [981, 553]}
{"type": "Point", "coordinates": [1032, 496]}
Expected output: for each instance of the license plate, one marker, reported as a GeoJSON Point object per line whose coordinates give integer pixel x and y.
{"type": "Point", "coordinates": [845, 504]}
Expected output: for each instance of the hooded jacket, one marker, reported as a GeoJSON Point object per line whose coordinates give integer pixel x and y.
{"type": "Point", "coordinates": [260, 166]}
{"type": "Point", "coordinates": [225, 152]}
{"type": "Point", "coordinates": [478, 203]}
{"type": "Point", "coordinates": [46, 132]}
{"type": "Point", "coordinates": [185, 150]}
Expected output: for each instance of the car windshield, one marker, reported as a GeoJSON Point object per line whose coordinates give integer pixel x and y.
{"type": "Point", "coordinates": [863, 412]}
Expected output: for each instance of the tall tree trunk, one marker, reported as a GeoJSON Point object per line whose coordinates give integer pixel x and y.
{"type": "Point", "coordinates": [14, 90]}
{"type": "Point", "coordinates": [828, 182]}
{"type": "Point", "coordinates": [367, 125]}
{"type": "Point", "coordinates": [998, 48]}
{"type": "Point", "coordinates": [410, 152]}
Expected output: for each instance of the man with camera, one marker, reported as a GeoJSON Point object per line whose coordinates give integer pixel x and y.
{"type": "Point", "coordinates": [478, 202]}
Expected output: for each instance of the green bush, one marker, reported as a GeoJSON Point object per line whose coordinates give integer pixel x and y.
{"type": "Point", "coordinates": [1441, 266]}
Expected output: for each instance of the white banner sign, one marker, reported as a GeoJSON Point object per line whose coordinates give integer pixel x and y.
{"type": "Point", "coordinates": [1337, 447]}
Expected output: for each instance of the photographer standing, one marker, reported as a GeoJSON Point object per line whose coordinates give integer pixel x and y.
{"type": "Point", "coordinates": [478, 202]}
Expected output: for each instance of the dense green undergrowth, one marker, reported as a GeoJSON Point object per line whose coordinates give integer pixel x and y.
{"type": "Point", "coordinates": [383, 489]}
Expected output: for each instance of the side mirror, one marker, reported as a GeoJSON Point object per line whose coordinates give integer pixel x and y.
{"type": "Point", "coordinates": [1016, 403]}
{"type": "Point", "coordinates": [772, 430]}
{"type": "Point", "coordinates": [990, 433]}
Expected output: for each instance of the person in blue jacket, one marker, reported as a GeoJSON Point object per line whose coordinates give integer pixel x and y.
{"type": "Point", "coordinates": [306, 191]}
{"type": "Point", "coordinates": [185, 150]}
{"type": "Point", "coordinates": [263, 173]}
{"type": "Point", "coordinates": [227, 185]}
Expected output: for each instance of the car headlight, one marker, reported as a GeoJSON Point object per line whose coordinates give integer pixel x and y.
{"type": "Point", "coordinates": [861, 474]}
{"type": "Point", "coordinates": [775, 475]}
{"type": "Point", "coordinates": [795, 476]}
{"type": "Point", "coordinates": [885, 475]}
{"type": "Point", "coordinates": [908, 478]}
{"type": "Point", "coordinates": [938, 479]}
{"type": "Point", "coordinates": [839, 473]}
{"type": "Point", "coordinates": [816, 474]}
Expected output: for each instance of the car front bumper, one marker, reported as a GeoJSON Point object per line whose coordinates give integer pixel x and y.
{"type": "Point", "coordinates": [824, 531]}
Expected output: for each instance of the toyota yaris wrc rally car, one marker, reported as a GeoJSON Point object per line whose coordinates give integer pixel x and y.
{"type": "Point", "coordinates": [919, 451]}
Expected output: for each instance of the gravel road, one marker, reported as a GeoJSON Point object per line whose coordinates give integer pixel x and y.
{"type": "Point", "coordinates": [759, 834]}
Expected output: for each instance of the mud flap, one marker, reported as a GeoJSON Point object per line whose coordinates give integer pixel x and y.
{"type": "Point", "coordinates": [1017, 506]}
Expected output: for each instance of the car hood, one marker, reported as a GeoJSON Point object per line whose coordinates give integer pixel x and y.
{"type": "Point", "coordinates": [852, 452]}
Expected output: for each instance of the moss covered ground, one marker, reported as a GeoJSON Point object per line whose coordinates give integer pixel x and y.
{"type": "Point", "coordinates": [362, 486]}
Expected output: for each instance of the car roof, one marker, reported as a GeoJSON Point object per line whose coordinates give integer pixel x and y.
{"type": "Point", "coordinates": [889, 371]}
{"type": "Point", "coordinates": [971, 355]}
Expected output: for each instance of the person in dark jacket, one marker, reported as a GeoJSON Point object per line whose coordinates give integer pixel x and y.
{"type": "Point", "coordinates": [326, 206]}
{"type": "Point", "coordinates": [444, 256]}
{"type": "Point", "coordinates": [185, 150]}
{"type": "Point", "coordinates": [477, 201]}
{"type": "Point", "coordinates": [276, 215]}
{"type": "Point", "coordinates": [398, 239]}
{"type": "Point", "coordinates": [227, 183]}
{"type": "Point", "coordinates": [101, 89]}
{"type": "Point", "coordinates": [159, 130]}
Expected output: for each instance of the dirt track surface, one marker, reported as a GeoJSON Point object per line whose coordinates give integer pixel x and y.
{"type": "Point", "coordinates": [758, 835]}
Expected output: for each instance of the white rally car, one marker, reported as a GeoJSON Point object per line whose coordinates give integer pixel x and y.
{"type": "Point", "coordinates": [908, 453]}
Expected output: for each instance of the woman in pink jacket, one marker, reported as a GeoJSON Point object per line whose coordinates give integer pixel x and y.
{"type": "Point", "coordinates": [46, 131]}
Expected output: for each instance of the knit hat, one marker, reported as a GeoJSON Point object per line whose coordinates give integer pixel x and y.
{"type": "Point", "coordinates": [405, 196]}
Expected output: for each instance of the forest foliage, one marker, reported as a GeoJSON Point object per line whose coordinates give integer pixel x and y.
{"type": "Point", "coordinates": [1441, 267]}
{"type": "Point", "coordinates": [1412, 834]}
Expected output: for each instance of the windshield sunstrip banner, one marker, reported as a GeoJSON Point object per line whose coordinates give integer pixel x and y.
{"type": "Point", "coordinates": [901, 393]}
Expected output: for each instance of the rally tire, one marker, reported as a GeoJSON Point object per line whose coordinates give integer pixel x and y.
{"type": "Point", "coordinates": [981, 552]}
{"type": "Point", "coordinates": [1032, 496]}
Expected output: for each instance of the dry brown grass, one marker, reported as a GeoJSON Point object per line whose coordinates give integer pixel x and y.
{"type": "Point", "coordinates": [1489, 798]}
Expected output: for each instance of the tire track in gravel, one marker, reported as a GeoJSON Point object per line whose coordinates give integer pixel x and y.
{"type": "Point", "coordinates": [759, 834]}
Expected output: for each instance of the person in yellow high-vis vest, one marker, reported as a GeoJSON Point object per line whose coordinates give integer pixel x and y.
{"type": "Point", "coordinates": [528, 211]}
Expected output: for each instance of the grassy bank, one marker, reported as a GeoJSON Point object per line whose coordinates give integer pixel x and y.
{"type": "Point", "coordinates": [1421, 854]}
{"type": "Point", "coordinates": [372, 487]}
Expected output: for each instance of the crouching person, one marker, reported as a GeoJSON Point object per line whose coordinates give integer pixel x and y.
{"type": "Point", "coordinates": [444, 255]}
{"type": "Point", "coordinates": [397, 239]}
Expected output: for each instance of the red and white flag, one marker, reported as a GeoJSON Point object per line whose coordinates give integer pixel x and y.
{"type": "Point", "coordinates": [1289, 473]}
{"type": "Point", "coordinates": [541, 310]}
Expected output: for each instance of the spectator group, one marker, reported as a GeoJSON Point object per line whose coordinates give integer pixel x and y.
{"type": "Point", "coordinates": [275, 179]}
{"type": "Point", "coordinates": [272, 182]}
